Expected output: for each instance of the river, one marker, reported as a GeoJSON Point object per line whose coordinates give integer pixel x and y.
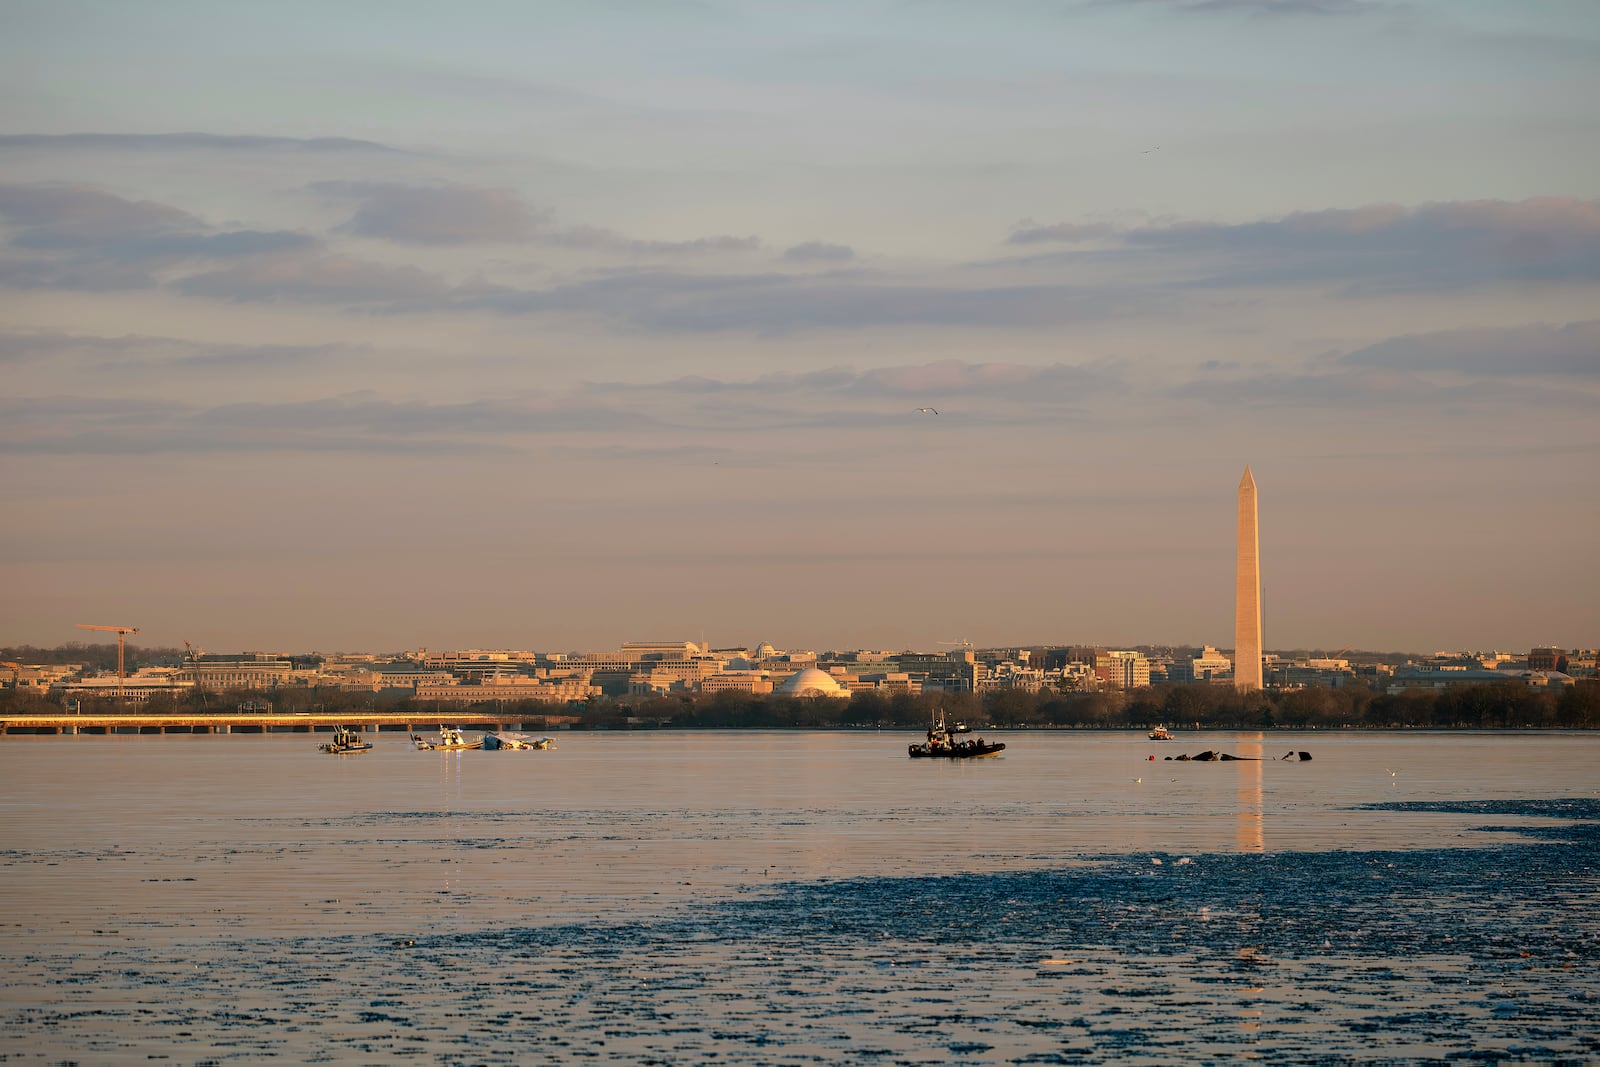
{"type": "Point", "coordinates": [800, 897]}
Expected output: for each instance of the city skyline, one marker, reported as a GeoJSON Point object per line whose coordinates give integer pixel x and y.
{"type": "Point", "coordinates": [844, 325]}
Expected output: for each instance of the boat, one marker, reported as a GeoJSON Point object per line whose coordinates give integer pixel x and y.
{"type": "Point", "coordinates": [345, 739]}
{"type": "Point", "coordinates": [451, 739]}
{"type": "Point", "coordinates": [942, 743]}
{"type": "Point", "coordinates": [516, 742]}
{"type": "Point", "coordinates": [1160, 734]}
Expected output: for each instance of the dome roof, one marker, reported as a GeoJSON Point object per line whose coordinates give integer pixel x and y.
{"type": "Point", "coordinates": [812, 683]}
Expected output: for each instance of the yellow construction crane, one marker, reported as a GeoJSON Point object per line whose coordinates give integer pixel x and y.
{"type": "Point", "coordinates": [122, 633]}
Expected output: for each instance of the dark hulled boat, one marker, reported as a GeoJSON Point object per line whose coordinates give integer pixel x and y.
{"type": "Point", "coordinates": [345, 739]}
{"type": "Point", "coordinates": [943, 743]}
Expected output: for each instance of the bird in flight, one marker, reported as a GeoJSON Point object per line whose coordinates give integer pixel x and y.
{"type": "Point", "coordinates": [1147, 151]}
{"type": "Point", "coordinates": [927, 411]}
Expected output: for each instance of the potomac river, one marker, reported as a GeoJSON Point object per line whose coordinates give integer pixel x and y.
{"type": "Point", "coordinates": [751, 897]}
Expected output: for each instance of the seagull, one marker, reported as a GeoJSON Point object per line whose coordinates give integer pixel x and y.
{"type": "Point", "coordinates": [927, 411]}
{"type": "Point", "coordinates": [1147, 151]}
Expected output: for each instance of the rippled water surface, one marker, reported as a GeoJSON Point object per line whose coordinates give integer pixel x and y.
{"type": "Point", "coordinates": [800, 898]}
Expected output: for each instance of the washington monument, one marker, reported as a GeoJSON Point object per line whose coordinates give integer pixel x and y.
{"type": "Point", "coordinates": [1247, 602]}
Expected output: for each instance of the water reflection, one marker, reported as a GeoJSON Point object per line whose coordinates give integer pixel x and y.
{"type": "Point", "coordinates": [1251, 836]}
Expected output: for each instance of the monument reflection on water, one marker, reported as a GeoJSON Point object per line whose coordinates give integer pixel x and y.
{"type": "Point", "coordinates": [1251, 803]}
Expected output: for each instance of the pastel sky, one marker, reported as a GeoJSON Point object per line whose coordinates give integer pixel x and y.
{"type": "Point", "coordinates": [557, 325]}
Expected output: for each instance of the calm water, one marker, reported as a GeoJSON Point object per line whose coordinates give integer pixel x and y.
{"type": "Point", "coordinates": [800, 898]}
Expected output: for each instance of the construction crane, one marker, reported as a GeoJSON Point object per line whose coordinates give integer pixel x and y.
{"type": "Point", "coordinates": [122, 633]}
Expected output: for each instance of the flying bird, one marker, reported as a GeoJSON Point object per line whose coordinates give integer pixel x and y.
{"type": "Point", "coordinates": [927, 411]}
{"type": "Point", "coordinates": [1147, 151]}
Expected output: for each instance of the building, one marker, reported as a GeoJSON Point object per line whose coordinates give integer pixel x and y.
{"type": "Point", "coordinates": [754, 683]}
{"type": "Point", "coordinates": [951, 672]}
{"type": "Point", "coordinates": [1247, 593]}
{"type": "Point", "coordinates": [1547, 659]}
{"type": "Point", "coordinates": [573, 690]}
{"type": "Point", "coordinates": [1122, 669]}
{"type": "Point", "coordinates": [247, 670]}
{"type": "Point", "coordinates": [1209, 666]}
{"type": "Point", "coordinates": [811, 682]}
{"type": "Point", "coordinates": [137, 688]}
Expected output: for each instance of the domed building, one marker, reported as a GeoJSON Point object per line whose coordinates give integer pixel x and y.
{"type": "Point", "coordinates": [811, 682]}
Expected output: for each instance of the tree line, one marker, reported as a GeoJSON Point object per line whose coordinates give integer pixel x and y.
{"type": "Point", "coordinates": [1495, 706]}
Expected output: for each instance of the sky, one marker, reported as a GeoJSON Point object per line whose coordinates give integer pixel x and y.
{"type": "Point", "coordinates": [547, 325]}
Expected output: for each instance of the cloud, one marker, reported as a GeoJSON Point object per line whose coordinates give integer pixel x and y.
{"type": "Point", "coordinates": [323, 279]}
{"type": "Point", "coordinates": [1027, 232]}
{"type": "Point", "coordinates": [147, 354]}
{"type": "Point", "coordinates": [108, 426]}
{"type": "Point", "coordinates": [1569, 351]}
{"type": "Point", "coordinates": [187, 142]}
{"type": "Point", "coordinates": [1263, 7]}
{"type": "Point", "coordinates": [602, 239]}
{"type": "Point", "coordinates": [83, 275]}
{"type": "Point", "coordinates": [1400, 377]}
{"type": "Point", "coordinates": [1378, 248]}
{"type": "Point", "coordinates": [95, 241]}
{"type": "Point", "coordinates": [666, 415]}
{"type": "Point", "coordinates": [941, 378]}
{"type": "Point", "coordinates": [776, 303]}
{"type": "Point", "coordinates": [71, 216]}
{"type": "Point", "coordinates": [434, 215]}
{"type": "Point", "coordinates": [1381, 246]}
{"type": "Point", "coordinates": [461, 214]}
{"type": "Point", "coordinates": [818, 251]}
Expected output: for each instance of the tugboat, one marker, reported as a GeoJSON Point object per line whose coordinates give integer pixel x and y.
{"type": "Point", "coordinates": [1160, 734]}
{"type": "Point", "coordinates": [942, 744]}
{"type": "Point", "coordinates": [451, 739]}
{"type": "Point", "coordinates": [345, 739]}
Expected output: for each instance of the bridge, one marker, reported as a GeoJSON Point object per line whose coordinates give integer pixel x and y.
{"type": "Point", "coordinates": [262, 723]}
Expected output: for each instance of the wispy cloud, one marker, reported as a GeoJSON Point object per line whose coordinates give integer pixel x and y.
{"type": "Point", "coordinates": [320, 279]}
{"type": "Point", "coordinates": [1261, 7]}
{"type": "Point", "coordinates": [1521, 368]}
{"type": "Point", "coordinates": [671, 414]}
{"type": "Point", "coordinates": [937, 379]}
{"type": "Point", "coordinates": [1376, 248]}
{"type": "Point", "coordinates": [819, 252]}
{"type": "Point", "coordinates": [145, 355]}
{"type": "Point", "coordinates": [462, 214]}
{"type": "Point", "coordinates": [434, 215]}
{"type": "Point", "coordinates": [601, 239]}
{"type": "Point", "coordinates": [83, 238]}
{"type": "Point", "coordinates": [1028, 232]}
{"type": "Point", "coordinates": [1571, 350]}
{"type": "Point", "coordinates": [777, 303]}
{"type": "Point", "coordinates": [94, 426]}
{"type": "Point", "coordinates": [72, 216]}
{"type": "Point", "coordinates": [186, 142]}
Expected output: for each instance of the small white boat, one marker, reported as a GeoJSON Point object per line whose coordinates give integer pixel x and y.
{"type": "Point", "coordinates": [450, 739]}
{"type": "Point", "coordinates": [1160, 734]}
{"type": "Point", "coordinates": [520, 742]}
